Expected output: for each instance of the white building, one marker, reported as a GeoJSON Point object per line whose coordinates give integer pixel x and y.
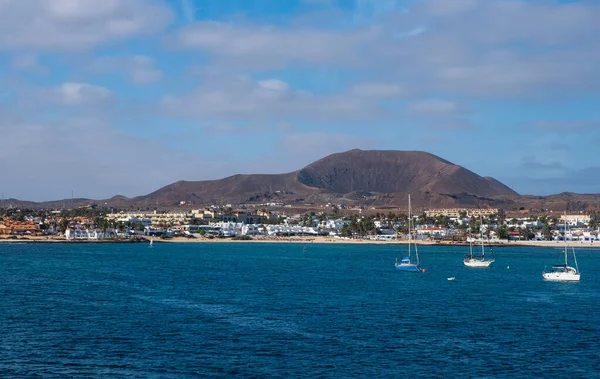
{"type": "Point", "coordinates": [152, 218]}
{"type": "Point", "coordinates": [154, 231]}
{"type": "Point", "coordinates": [77, 233]}
{"type": "Point", "coordinates": [250, 230]}
{"type": "Point", "coordinates": [229, 229]}
{"type": "Point", "coordinates": [433, 231]}
{"type": "Point", "coordinates": [336, 225]}
{"type": "Point", "coordinates": [575, 220]}
{"type": "Point", "coordinates": [274, 230]}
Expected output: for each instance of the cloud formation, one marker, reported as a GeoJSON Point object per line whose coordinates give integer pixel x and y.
{"type": "Point", "coordinates": [487, 48]}
{"type": "Point", "coordinates": [435, 106]}
{"type": "Point", "coordinates": [242, 98]}
{"type": "Point", "coordinates": [138, 69]}
{"type": "Point", "coordinates": [77, 24]}
{"type": "Point", "coordinates": [435, 75]}
{"type": "Point", "coordinates": [85, 156]}
{"type": "Point", "coordinates": [77, 94]}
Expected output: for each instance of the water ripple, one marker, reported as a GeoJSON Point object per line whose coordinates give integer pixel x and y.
{"type": "Point", "coordinates": [272, 310]}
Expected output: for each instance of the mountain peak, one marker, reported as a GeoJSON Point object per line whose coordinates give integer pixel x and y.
{"type": "Point", "coordinates": [391, 171]}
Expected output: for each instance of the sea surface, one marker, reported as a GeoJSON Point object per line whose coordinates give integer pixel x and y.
{"type": "Point", "coordinates": [279, 310]}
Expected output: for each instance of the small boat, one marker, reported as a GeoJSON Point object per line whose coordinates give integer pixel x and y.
{"type": "Point", "coordinates": [406, 264]}
{"type": "Point", "coordinates": [478, 261]}
{"type": "Point", "coordinates": [151, 242]}
{"type": "Point", "coordinates": [564, 272]}
{"type": "Point", "coordinates": [452, 278]}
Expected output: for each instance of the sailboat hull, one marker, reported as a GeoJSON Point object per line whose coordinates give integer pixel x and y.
{"type": "Point", "coordinates": [564, 272]}
{"type": "Point", "coordinates": [409, 267]}
{"type": "Point", "coordinates": [477, 263]}
{"type": "Point", "coordinates": [561, 276]}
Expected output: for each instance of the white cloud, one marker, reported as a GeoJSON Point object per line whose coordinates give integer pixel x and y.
{"type": "Point", "coordinates": [77, 94]}
{"type": "Point", "coordinates": [28, 62]}
{"type": "Point", "coordinates": [86, 156]}
{"type": "Point", "coordinates": [378, 90]}
{"type": "Point", "coordinates": [482, 47]}
{"type": "Point", "coordinates": [146, 76]}
{"type": "Point", "coordinates": [189, 10]}
{"type": "Point", "coordinates": [274, 84]}
{"type": "Point", "coordinates": [52, 25]}
{"type": "Point", "coordinates": [139, 69]}
{"type": "Point", "coordinates": [272, 47]}
{"type": "Point", "coordinates": [244, 99]}
{"type": "Point", "coordinates": [435, 106]}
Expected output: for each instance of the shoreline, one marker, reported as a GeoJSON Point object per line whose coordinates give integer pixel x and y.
{"type": "Point", "coordinates": [297, 240]}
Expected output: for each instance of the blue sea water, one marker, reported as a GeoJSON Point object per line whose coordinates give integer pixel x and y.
{"type": "Point", "coordinates": [277, 310]}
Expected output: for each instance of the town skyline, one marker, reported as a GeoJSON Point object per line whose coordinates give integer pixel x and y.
{"type": "Point", "coordinates": [125, 97]}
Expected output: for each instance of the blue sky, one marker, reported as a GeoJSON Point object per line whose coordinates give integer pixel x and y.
{"type": "Point", "coordinates": [126, 96]}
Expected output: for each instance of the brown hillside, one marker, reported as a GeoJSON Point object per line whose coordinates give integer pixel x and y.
{"type": "Point", "coordinates": [354, 176]}
{"type": "Point", "coordinates": [233, 189]}
{"type": "Point", "coordinates": [371, 178]}
{"type": "Point", "coordinates": [396, 171]}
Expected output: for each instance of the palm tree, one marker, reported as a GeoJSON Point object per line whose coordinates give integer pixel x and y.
{"type": "Point", "coordinates": [546, 232]}
{"type": "Point", "coordinates": [64, 224]}
{"type": "Point", "coordinates": [462, 227]}
{"type": "Point", "coordinates": [502, 232]}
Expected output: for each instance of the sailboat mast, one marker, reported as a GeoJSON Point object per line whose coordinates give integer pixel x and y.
{"type": "Point", "coordinates": [565, 238]}
{"type": "Point", "coordinates": [409, 231]}
{"type": "Point", "coordinates": [481, 236]}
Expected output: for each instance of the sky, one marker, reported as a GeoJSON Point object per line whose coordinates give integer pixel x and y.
{"type": "Point", "coordinates": [99, 98]}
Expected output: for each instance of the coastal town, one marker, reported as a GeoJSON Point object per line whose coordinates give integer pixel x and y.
{"type": "Point", "coordinates": [332, 223]}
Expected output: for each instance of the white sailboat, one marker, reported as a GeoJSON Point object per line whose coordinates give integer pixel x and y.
{"type": "Point", "coordinates": [151, 242]}
{"type": "Point", "coordinates": [478, 261]}
{"type": "Point", "coordinates": [406, 264]}
{"type": "Point", "coordinates": [564, 272]}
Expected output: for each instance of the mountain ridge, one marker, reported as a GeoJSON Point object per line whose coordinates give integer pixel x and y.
{"type": "Point", "coordinates": [356, 177]}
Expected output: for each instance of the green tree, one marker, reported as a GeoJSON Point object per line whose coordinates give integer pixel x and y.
{"type": "Point", "coordinates": [502, 232]}
{"type": "Point", "coordinates": [346, 231]}
{"type": "Point", "coordinates": [64, 224]}
{"type": "Point", "coordinates": [526, 234]}
{"type": "Point", "coordinates": [121, 226]}
{"type": "Point", "coordinates": [474, 225]}
{"type": "Point", "coordinates": [546, 232]}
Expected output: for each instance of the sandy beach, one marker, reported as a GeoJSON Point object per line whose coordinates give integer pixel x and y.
{"type": "Point", "coordinates": [300, 240]}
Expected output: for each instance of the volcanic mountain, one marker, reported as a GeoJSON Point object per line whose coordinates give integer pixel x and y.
{"type": "Point", "coordinates": [375, 176]}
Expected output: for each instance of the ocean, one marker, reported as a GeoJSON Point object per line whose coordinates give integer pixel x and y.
{"type": "Point", "coordinates": [278, 310]}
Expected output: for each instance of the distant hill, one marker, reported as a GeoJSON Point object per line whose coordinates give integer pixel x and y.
{"type": "Point", "coordinates": [379, 178]}
{"type": "Point", "coordinates": [375, 176]}
{"type": "Point", "coordinates": [396, 171]}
